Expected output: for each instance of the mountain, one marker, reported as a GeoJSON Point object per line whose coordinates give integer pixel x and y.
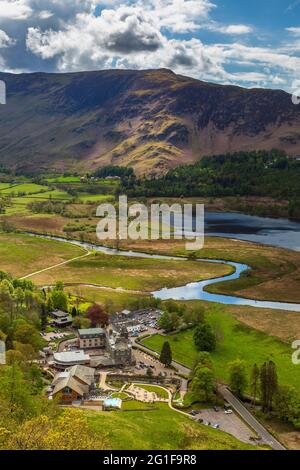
{"type": "Point", "coordinates": [151, 120]}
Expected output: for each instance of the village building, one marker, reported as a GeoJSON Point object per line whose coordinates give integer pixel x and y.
{"type": "Point", "coordinates": [119, 347]}
{"type": "Point", "coordinates": [61, 319]}
{"type": "Point", "coordinates": [63, 360]}
{"type": "Point", "coordinates": [92, 338]}
{"type": "Point", "coordinates": [74, 383]}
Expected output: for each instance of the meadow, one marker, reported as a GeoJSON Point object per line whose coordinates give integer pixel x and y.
{"type": "Point", "coordinates": [131, 273]}
{"type": "Point", "coordinates": [236, 340]}
{"type": "Point", "coordinates": [22, 254]}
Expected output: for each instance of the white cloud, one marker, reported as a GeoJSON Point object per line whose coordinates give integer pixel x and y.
{"type": "Point", "coordinates": [236, 29]}
{"type": "Point", "coordinates": [66, 35]}
{"type": "Point", "coordinates": [45, 14]}
{"type": "Point", "coordinates": [15, 9]}
{"type": "Point", "coordinates": [5, 40]}
{"type": "Point", "coordinates": [180, 16]}
{"type": "Point", "coordinates": [293, 30]}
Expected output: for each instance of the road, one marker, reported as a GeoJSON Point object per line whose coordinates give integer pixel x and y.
{"type": "Point", "coordinates": [234, 402]}
{"type": "Point", "coordinates": [250, 420]}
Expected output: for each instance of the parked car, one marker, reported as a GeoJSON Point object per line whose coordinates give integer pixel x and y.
{"type": "Point", "coordinates": [228, 412]}
{"type": "Point", "coordinates": [216, 409]}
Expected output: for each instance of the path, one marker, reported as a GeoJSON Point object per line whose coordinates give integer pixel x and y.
{"type": "Point", "coordinates": [56, 266]}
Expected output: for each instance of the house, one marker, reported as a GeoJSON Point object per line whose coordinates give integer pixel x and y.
{"type": "Point", "coordinates": [64, 360]}
{"type": "Point", "coordinates": [92, 338]}
{"type": "Point", "coordinates": [74, 383]}
{"type": "Point", "coordinates": [61, 319]}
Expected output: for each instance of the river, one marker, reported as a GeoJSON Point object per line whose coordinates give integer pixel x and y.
{"type": "Point", "coordinates": [196, 290]}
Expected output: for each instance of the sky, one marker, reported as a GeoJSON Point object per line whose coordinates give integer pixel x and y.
{"type": "Point", "coordinates": [251, 43]}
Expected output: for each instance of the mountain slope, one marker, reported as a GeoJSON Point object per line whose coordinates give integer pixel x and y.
{"type": "Point", "coordinates": [151, 120]}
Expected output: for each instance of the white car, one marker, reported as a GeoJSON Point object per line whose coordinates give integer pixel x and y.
{"type": "Point", "coordinates": [228, 412]}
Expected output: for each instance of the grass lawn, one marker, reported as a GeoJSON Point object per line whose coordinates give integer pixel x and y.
{"type": "Point", "coordinates": [22, 254]}
{"type": "Point", "coordinates": [85, 197]}
{"type": "Point", "coordinates": [27, 188]}
{"type": "Point", "coordinates": [64, 179]}
{"type": "Point", "coordinates": [131, 273]}
{"type": "Point", "coordinates": [239, 341]}
{"type": "Point", "coordinates": [160, 392]}
{"type": "Point", "coordinates": [120, 300]}
{"type": "Point", "coordinates": [4, 186]}
{"type": "Point", "coordinates": [160, 429]}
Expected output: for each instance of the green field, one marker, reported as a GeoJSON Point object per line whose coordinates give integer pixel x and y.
{"type": "Point", "coordinates": [158, 429]}
{"type": "Point", "coordinates": [120, 300]}
{"type": "Point", "coordinates": [131, 273]}
{"type": "Point", "coordinates": [64, 179]}
{"type": "Point", "coordinates": [238, 341]}
{"type": "Point", "coordinates": [85, 197]}
{"type": "Point", "coordinates": [160, 392]}
{"type": "Point", "coordinates": [22, 254]}
{"type": "Point", "coordinates": [27, 188]}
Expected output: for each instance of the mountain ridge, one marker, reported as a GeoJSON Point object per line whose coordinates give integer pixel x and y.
{"type": "Point", "coordinates": [151, 120]}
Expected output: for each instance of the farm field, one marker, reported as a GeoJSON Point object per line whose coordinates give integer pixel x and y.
{"type": "Point", "coordinates": [27, 188]}
{"type": "Point", "coordinates": [237, 341]}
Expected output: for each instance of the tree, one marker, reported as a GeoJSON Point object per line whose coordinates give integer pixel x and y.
{"type": "Point", "coordinates": [97, 315]}
{"type": "Point", "coordinates": [238, 377]}
{"type": "Point", "coordinates": [74, 312]}
{"type": "Point", "coordinates": [50, 306]}
{"type": "Point", "coordinates": [44, 316]}
{"type": "Point", "coordinates": [287, 405]}
{"type": "Point", "coordinates": [169, 321]}
{"type": "Point", "coordinates": [149, 372]}
{"type": "Point", "coordinates": [166, 354]}
{"type": "Point", "coordinates": [59, 300]}
{"type": "Point", "coordinates": [254, 382]}
{"type": "Point", "coordinates": [194, 317]}
{"type": "Point", "coordinates": [203, 383]}
{"type": "Point", "coordinates": [27, 334]}
{"type": "Point", "coordinates": [70, 431]}
{"type": "Point", "coordinates": [268, 384]}
{"type": "Point", "coordinates": [204, 360]}
{"type": "Point", "coordinates": [204, 338]}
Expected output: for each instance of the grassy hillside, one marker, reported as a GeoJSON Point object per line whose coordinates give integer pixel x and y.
{"type": "Point", "coordinates": [161, 428]}
{"type": "Point", "coordinates": [152, 120]}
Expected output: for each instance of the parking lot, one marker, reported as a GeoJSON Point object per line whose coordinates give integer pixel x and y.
{"type": "Point", "coordinates": [144, 361]}
{"type": "Point", "coordinates": [54, 336]}
{"type": "Point", "coordinates": [230, 423]}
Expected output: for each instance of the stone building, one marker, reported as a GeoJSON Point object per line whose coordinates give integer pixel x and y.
{"type": "Point", "coordinates": [92, 338]}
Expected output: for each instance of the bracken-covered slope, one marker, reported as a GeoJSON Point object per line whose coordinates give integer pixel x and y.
{"type": "Point", "coordinates": [150, 120]}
